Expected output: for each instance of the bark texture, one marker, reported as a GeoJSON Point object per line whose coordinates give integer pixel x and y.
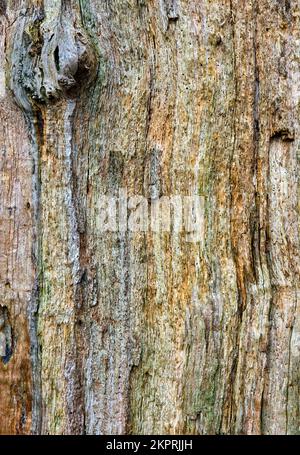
{"type": "Point", "coordinates": [139, 332]}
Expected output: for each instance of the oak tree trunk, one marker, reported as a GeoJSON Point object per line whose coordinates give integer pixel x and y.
{"type": "Point", "coordinates": [142, 332]}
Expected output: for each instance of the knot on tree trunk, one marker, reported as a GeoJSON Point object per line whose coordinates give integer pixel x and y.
{"type": "Point", "coordinates": [51, 58]}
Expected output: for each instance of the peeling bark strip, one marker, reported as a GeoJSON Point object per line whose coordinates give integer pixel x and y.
{"type": "Point", "coordinates": [146, 333]}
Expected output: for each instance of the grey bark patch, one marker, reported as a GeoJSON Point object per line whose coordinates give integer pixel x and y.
{"type": "Point", "coordinates": [172, 9]}
{"type": "Point", "coordinates": [152, 179]}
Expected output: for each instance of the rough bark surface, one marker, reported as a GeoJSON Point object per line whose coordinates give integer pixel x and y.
{"type": "Point", "coordinates": [141, 332]}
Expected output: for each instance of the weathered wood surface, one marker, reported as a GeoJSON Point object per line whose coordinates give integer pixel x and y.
{"type": "Point", "coordinates": [142, 332]}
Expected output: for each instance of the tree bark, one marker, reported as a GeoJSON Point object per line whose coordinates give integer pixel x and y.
{"type": "Point", "coordinates": [142, 332]}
